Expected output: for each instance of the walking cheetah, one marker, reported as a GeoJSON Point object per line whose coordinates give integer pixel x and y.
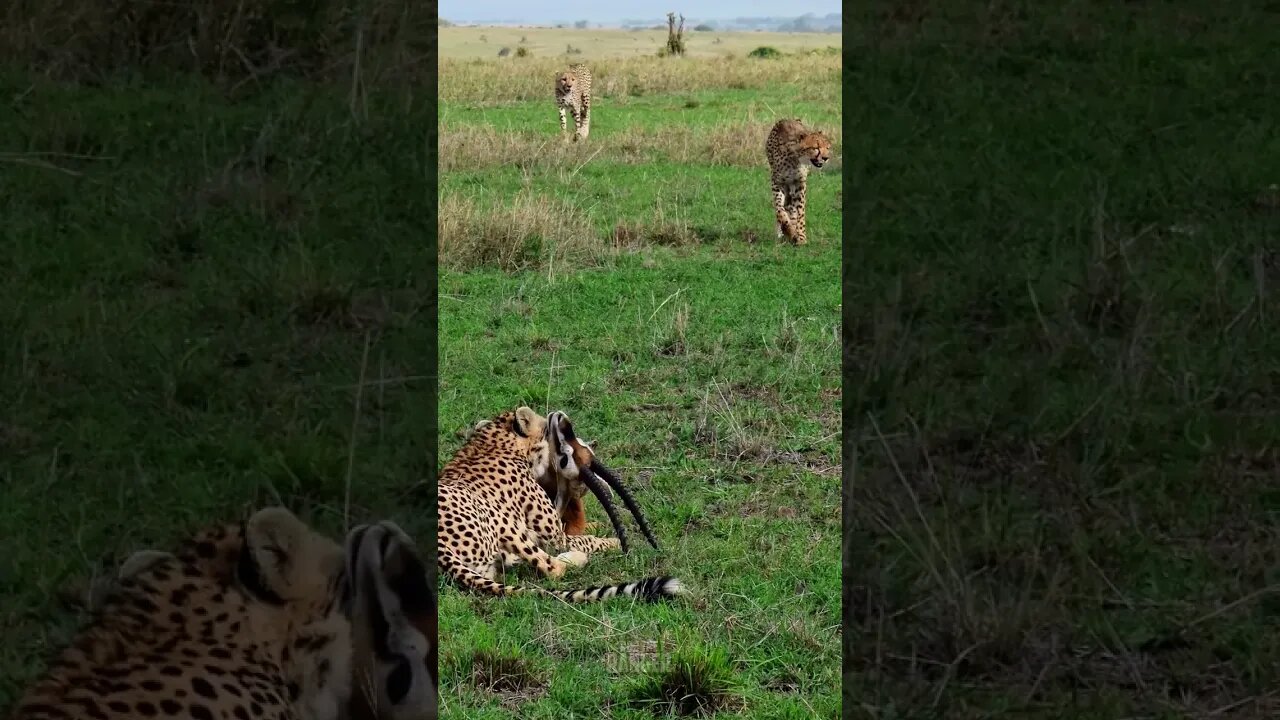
{"type": "Point", "coordinates": [791, 148]}
{"type": "Point", "coordinates": [573, 93]}
{"type": "Point", "coordinates": [494, 514]}
{"type": "Point", "coordinates": [262, 619]}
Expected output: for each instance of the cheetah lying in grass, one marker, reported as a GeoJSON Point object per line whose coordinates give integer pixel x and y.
{"type": "Point", "coordinates": [494, 514]}
{"type": "Point", "coordinates": [265, 618]}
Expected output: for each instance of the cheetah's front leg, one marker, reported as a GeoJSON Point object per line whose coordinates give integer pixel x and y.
{"type": "Point", "coordinates": [797, 217]}
{"type": "Point", "coordinates": [585, 130]}
{"type": "Point", "coordinates": [590, 544]}
{"type": "Point", "coordinates": [527, 549]}
{"type": "Point", "coordinates": [502, 561]}
{"type": "Point", "coordinates": [564, 121]}
{"type": "Point", "coordinates": [780, 212]}
{"type": "Point", "coordinates": [577, 124]}
{"type": "Point", "coordinates": [546, 528]}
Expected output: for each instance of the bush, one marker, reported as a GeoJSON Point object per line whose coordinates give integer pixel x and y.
{"type": "Point", "coordinates": [703, 28]}
{"type": "Point", "coordinates": [523, 52]}
{"type": "Point", "coordinates": [581, 25]}
{"type": "Point", "coordinates": [765, 52]}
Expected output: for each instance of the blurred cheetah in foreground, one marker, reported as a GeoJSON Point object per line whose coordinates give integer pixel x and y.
{"type": "Point", "coordinates": [265, 618]}
{"type": "Point", "coordinates": [573, 93]}
{"type": "Point", "coordinates": [790, 148]}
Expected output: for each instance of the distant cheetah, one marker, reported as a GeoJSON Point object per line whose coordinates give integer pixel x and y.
{"type": "Point", "coordinates": [791, 147]}
{"type": "Point", "coordinates": [573, 93]}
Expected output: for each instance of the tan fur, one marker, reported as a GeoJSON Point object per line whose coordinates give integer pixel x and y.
{"type": "Point", "coordinates": [791, 149]}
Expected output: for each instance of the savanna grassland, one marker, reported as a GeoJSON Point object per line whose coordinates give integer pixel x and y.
{"type": "Point", "coordinates": [199, 269]}
{"type": "Point", "coordinates": [633, 281]}
{"type": "Point", "coordinates": [1063, 362]}
{"type": "Point", "coordinates": [484, 42]}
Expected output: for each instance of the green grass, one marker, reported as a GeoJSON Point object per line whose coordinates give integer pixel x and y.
{"type": "Point", "coordinates": [1061, 343]}
{"type": "Point", "coordinates": [190, 287]}
{"type": "Point", "coordinates": [702, 358]}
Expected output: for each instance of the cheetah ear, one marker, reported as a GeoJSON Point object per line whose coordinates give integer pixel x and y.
{"type": "Point", "coordinates": [525, 422]}
{"type": "Point", "coordinates": [476, 428]}
{"type": "Point", "coordinates": [272, 538]}
{"type": "Point", "coordinates": [140, 562]}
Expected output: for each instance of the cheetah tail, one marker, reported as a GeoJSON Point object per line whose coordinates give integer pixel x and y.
{"type": "Point", "coordinates": [650, 590]}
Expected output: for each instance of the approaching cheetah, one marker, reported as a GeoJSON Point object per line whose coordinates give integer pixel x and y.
{"type": "Point", "coordinates": [493, 514]}
{"type": "Point", "coordinates": [265, 619]}
{"type": "Point", "coordinates": [573, 93]}
{"type": "Point", "coordinates": [791, 148]}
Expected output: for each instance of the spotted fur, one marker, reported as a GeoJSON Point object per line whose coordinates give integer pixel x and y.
{"type": "Point", "coordinates": [573, 96]}
{"type": "Point", "coordinates": [791, 149]}
{"type": "Point", "coordinates": [248, 621]}
{"type": "Point", "coordinates": [494, 514]}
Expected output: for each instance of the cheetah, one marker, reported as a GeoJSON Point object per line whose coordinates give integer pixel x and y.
{"type": "Point", "coordinates": [791, 148]}
{"type": "Point", "coordinates": [492, 513]}
{"type": "Point", "coordinates": [573, 93]}
{"type": "Point", "coordinates": [266, 618]}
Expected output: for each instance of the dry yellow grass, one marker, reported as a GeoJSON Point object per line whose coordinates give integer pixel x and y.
{"type": "Point", "coordinates": [470, 147]}
{"type": "Point", "coordinates": [525, 231]}
{"type": "Point", "coordinates": [484, 42]}
{"type": "Point", "coordinates": [514, 80]}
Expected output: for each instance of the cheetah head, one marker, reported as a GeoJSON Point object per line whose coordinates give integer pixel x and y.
{"type": "Point", "coordinates": [816, 148]}
{"type": "Point", "coordinates": [565, 82]}
{"type": "Point", "coordinates": [521, 431]}
{"type": "Point", "coordinates": [571, 468]}
{"type": "Point", "coordinates": [373, 595]}
{"type": "Point", "coordinates": [393, 626]}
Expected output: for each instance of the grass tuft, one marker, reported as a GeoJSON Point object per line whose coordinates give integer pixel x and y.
{"type": "Point", "coordinates": [531, 231]}
{"type": "Point", "coordinates": [497, 672]}
{"type": "Point", "coordinates": [693, 684]}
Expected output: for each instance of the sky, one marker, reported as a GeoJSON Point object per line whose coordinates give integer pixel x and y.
{"type": "Point", "coordinates": [472, 11]}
